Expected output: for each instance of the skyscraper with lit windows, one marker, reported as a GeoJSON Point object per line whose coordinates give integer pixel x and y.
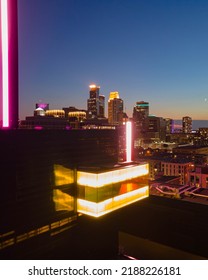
{"type": "Point", "coordinates": [101, 106]}
{"type": "Point", "coordinates": [115, 109]}
{"type": "Point", "coordinates": [140, 117]}
{"type": "Point", "coordinates": [187, 124]}
{"type": "Point", "coordinates": [93, 102]}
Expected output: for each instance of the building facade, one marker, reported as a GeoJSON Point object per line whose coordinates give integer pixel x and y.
{"type": "Point", "coordinates": [199, 177]}
{"type": "Point", "coordinates": [187, 124]}
{"type": "Point", "coordinates": [177, 167]}
{"type": "Point", "coordinates": [156, 129]}
{"type": "Point", "coordinates": [115, 109]}
{"type": "Point", "coordinates": [101, 106]}
{"type": "Point", "coordinates": [140, 117]}
{"type": "Point", "coordinates": [93, 102]}
{"type": "Point", "coordinates": [169, 125]}
{"type": "Point", "coordinates": [56, 174]}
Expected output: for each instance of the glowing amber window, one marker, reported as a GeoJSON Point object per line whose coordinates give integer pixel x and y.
{"type": "Point", "coordinates": [63, 175]}
{"type": "Point", "coordinates": [63, 201]}
{"type": "Point", "coordinates": [55, 113]}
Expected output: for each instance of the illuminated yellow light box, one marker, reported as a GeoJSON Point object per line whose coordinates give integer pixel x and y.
{"type": "Point", "coordinates": [111, 204]}
{"type": "Point", "coordinates": [98, 180]}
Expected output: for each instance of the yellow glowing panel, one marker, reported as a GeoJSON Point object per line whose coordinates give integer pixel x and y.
{"type": "Point", "coordinates": [111, 204]}
{"type": "Point", "coordinates": [115, 176]}
{"type": "Point", "coordinates": [63, 175]}
{"type": "Point", "coordinates": [114, 95]}
{"type": "Point", "coordinates": [63, 201]}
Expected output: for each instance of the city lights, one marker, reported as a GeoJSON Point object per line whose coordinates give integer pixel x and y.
{"type": "Point", "coordinates": [5, 62]}
{"type": "Point", "coordinates": [93, 86]}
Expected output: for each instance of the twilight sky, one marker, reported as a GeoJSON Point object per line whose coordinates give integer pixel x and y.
{"type": "Point", "coordinates": [151, 50]}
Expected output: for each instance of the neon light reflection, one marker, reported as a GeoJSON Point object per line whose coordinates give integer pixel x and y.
{"type": "Point", "coordinates": [5, 62]}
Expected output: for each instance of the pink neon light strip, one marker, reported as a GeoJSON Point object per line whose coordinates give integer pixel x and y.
{"type": "Point", "coordinates": [5, 62]}
{"type": "Point", "coordinates": [128, 141]}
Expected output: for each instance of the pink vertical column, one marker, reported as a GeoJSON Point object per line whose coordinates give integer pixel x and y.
{"type": "Point", "coordinates": [128, 141]}
{"type": "Point", "coordinates": [9, 46]}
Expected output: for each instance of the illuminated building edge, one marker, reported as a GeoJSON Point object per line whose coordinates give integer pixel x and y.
{"type": "Point", "coordinates": [122, 183]}
{"type": "Point", "coordinates": [99, 209]}
{"type": "Point", "coordinates": [98, 180]}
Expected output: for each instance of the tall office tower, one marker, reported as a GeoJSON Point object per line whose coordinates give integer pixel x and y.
{"type": "Point", "coordinates": [115, 109]}
{"type": "Point", "coordinates": [9, 63]}
{"type": "Point", "coordinates": [93, 103]}
{"type": "Point", "coordinates": [140, 117]}
{"type": "Point", "coordinates": [101, 106]}
{"type": "Point", "coordinates": [169, 125]}
{"type": "Point", "coordinates": [156, 128]}
{"type": "Point", "coordinates": [187, 124]}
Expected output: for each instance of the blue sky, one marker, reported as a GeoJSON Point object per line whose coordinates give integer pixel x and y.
{"type": "Point", "coordinates": [149, 50]}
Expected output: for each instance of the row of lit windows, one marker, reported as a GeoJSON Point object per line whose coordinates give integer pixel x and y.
{"type": "Point", "coordinates": [55, 228]}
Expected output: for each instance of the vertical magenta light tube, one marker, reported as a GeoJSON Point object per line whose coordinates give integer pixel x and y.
{"type": "Point", "coordinates": [5, 63]}
{"type": "Point", "coordinates": [128, 141]}
{"type": "Point", "coordinates": [9, 46]}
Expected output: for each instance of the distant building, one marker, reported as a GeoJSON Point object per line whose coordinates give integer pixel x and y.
{"type": "Point", "coordinates": [44, 106]}
{"type": "Point", "coordinates": [79, 115]}
{"type": "Point", "coordinates": [39, 112]}
{"type": "Point", "coordinates": [181, 138]}
{"type": "Point", "coordinates": [203, 131]}
{"type": "Point", "coordinates": [187, 124]}
{"type": "Point", "coordinates": [169, 125]}
{"type": "Point", "coordinates": [57, 113]}
{"type": "Point", "coordinates": [191, 150]}
{"type": "Point", "coordinates": [101, 106]}
{"type": "Point", "coordinates": [72, 109]}
{"type": "Point", "coordinates": [156, 129]}
{"type": "Point", "coordinates": [115, 109]}
{"type": "Point", "coordinates": [93, 102]}
{"type": "Point", "coordinates": [140, 117]}
{"type": "Point", "coordinates": [177, 167]}
{"type": "Point", "coordinates": [40, 109]}
{"type": "Point", "coordinates": [199, 177]}
{"type": "Point", "coordinates": [39, 122]}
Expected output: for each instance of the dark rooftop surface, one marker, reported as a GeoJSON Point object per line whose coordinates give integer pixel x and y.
{"type": "Point", "coordinates": [165, 179]}
{"type": "Point", "coordinates": [108, 168]}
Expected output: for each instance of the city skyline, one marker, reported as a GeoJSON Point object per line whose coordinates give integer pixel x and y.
{"type": "Point", "coordinates": [150, 51]}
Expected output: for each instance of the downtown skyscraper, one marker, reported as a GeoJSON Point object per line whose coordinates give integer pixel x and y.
{"type": "Point", "coordinates": [115, 109]}
{"type": "Point", "coordinates": [95, 103]}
